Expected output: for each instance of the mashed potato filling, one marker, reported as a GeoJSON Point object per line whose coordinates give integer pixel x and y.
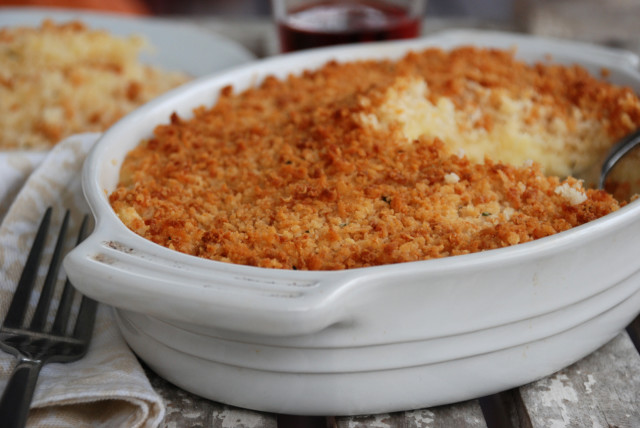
{"type": "Point", "coordinates": [494, 124]}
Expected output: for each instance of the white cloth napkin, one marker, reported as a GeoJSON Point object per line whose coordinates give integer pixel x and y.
{"type": "Point", "coordinates": [15, 168]}
{"type": "Point", "coordinates": [108, 387]}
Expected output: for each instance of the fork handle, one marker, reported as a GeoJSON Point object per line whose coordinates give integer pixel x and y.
{"type": "Point", "coordinates": [16, 399]}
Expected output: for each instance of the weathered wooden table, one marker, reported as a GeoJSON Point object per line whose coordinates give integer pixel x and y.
{"type": "Point", "coordinates": [602, 390]}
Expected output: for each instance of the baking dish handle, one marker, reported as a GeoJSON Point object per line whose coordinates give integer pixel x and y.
{"type": "Point", "coordinates": [150, 279]}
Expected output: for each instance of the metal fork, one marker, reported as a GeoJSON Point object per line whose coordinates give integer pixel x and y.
{"type": "Point", "coordinates": [34, 342]}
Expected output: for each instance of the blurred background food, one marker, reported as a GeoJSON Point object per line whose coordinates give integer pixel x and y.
{"type": "Point", "coordinates": [61, 79]}
{"type": "Point", "coordinates": [117, 6]}
{"type": "Point", "coordinates": [613, 23]}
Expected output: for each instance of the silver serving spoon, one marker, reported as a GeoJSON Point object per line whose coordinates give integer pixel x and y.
{"type": "Point", "coordinates": [617, 152]}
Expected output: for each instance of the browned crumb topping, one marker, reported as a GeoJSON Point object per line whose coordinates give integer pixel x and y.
{"type": "Point", "coordinates": [286, 175]}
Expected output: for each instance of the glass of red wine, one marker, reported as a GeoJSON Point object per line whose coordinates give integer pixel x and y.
{"type": "Point", "coordinates": [304, 24]}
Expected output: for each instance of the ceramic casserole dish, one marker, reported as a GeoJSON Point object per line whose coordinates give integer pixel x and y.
{"type": "Point", "coordinates": [366, 340]}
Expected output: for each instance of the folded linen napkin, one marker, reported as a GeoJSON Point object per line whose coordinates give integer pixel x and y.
{"type": "Point", "coordinates": [108, 387]}
{"type": "Point", "coordinates": [15, 168]}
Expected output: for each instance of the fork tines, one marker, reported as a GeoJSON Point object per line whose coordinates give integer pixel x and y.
{"type": "Point", "coordinates": [34, 344]}
{"type": "Point", "coordinates": [16, 315]}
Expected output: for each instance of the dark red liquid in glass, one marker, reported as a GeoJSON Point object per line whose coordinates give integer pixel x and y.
{"type": "Point", "coordinates": [330, 23]}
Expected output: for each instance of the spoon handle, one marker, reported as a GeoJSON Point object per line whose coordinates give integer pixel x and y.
{"type": "Point", "coordinates": [621, 148]}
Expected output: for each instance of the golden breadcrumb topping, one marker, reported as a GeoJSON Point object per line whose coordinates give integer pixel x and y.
{"type": "Point", "coordinates": [315, 171]}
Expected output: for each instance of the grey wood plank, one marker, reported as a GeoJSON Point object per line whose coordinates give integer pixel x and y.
{"type": "Point", "coordinates": [601, 390]}
{"type": "Point", "coordinates": [184, 409]}
{"type": "Point", "coordinates": [505, 409]}
{"type": "Point", "coordinates": [465, 414]}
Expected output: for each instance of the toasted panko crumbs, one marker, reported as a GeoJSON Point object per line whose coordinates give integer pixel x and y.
{"type": "Point", "coordinates": [336, 169]}
{"type": "Point", "coordinates": [61, 79]}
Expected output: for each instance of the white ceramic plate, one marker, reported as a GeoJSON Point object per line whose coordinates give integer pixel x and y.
{"type": "Point", "coordinates": [365, 340]}
{"type": "Point", "coordinates": [178, 46]}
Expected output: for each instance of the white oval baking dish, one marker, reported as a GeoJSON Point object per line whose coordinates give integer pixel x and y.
{"type": "Point", "coordinates": [365, 340]}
